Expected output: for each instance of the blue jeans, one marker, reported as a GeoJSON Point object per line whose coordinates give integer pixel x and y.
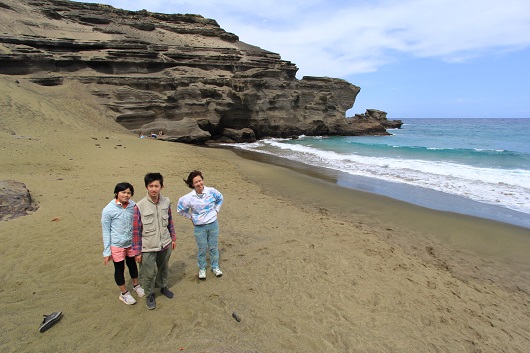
{"type": "Point", "coordinates": [206, 237]}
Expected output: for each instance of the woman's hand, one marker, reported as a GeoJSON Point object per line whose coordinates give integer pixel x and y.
{"type": "Point", "coordinates": [138, 258]}
{"type": "Point", "coordinates": [106, 259]}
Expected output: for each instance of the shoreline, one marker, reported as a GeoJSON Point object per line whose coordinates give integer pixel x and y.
{"type": "Point", "coordinates": [458, 238]}
{"type": "Point", "coordinates": [432, 199]}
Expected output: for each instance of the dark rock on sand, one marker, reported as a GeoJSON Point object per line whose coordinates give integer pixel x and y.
{"type": "Point", "coordinates": [15, 200]}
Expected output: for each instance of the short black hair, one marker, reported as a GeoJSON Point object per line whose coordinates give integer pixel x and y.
{"type": "Point", "coordinates": [191, 176]}
{"type": "Point", "coordinates": [122, 187]}
{"type": "Point", "coordinates": [150, 177]}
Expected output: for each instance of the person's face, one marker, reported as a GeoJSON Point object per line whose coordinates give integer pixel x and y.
{"type": "Point", "coordinates": [153, 189]}
{"type": "Point", "coordinates": [198, 184]}
{"type": "Point", "coordinates": [124, 196]}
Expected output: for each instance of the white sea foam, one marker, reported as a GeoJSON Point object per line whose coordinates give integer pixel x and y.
{"type": "Point", "coordinates": [500, 187]}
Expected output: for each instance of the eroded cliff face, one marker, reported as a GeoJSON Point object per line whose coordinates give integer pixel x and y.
{"type": "Point", "coordinates": [181, 74]}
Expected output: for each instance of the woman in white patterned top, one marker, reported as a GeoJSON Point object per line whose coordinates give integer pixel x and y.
{"type": "Point", "coordinates": [201, 206]}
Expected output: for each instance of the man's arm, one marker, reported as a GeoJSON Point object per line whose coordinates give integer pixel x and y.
{"type": "Point", "coordinates": [171, 225]}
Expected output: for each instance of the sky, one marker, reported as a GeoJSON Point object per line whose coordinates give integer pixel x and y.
{"type": "Point", "coordinates": [411, 58]}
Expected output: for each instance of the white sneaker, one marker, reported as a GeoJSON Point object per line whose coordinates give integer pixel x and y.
{"type": "Point", "coordinates": [139, 290]}
{"type": "Point", "coordinates": [127, 298]}
{"type": "Point", "coordinates": [217, 272]}
{"type": "Point", "coordinates": [202, 274]}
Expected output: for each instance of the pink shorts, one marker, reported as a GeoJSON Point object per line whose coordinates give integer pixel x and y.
{"type": "Point", "coordinates": [118, 254]}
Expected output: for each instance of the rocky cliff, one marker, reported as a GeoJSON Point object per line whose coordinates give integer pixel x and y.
{"type": "Point", "coordinates": [181, 74]}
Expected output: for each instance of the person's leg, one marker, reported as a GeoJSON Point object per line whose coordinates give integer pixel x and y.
{"type": "Point", "coordinates": [118, 258]}
{"type": "Point", "coordinates": [213, 237]}
{"type": "Point", "coordinates": [119, 278]}
{"type": "Point", "coordinates": [131, 264]}
{"type": "Point", "coordinates": [201, 239]}
{"type": "Point", "coordinates": [133, 269]}
{"type": "Point", "coordinates": [148, 271]}
{"type": "Point", "coordinates": [119, 269]}
{"type": "Point", "coordinates": [162, 261]}
{"type": "Point", "coordinates": [133, 272]}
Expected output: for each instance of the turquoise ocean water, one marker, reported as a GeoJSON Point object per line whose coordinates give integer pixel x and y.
{"type": "Point", "coordinates": [479, 167]}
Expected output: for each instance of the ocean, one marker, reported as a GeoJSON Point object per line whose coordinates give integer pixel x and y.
{"type": "Point", "coordinates": [478, 167]}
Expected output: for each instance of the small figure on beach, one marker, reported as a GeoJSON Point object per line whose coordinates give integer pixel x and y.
{"type": "Point", "coordinates": [141, 135]}
{"type": "Point", "coordinates": [117, 227]}
{"type": "Point", "coordinates": [160, 133]}
{"type": "Point", "coordinates": [201, 206]}
{"type": "Point", "coordinates": [153, 135]}
{"type": "Point", "coordinates": [154, 238]}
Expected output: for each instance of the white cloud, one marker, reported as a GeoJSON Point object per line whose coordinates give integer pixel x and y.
{"type": "Point", "coordinates": [360, 36]}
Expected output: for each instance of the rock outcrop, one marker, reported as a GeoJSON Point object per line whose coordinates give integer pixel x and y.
{"type": "Point", "coordinates": [182, 74]}
{"type": "Point", "coordinates": [15, 200]}
{"type": "Point", "coordinates": [378, 120]}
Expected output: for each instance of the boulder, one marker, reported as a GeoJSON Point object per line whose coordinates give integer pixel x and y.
{"type": "Point", "coordinates": [15, 200]}
{"type": "Point", "coordinates": [185, 130]}
{"type": "Point", "coordinates": [242, 135]}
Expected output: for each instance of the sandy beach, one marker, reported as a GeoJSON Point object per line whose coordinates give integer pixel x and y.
{"type": "Point", "coordinates": [308, 266]}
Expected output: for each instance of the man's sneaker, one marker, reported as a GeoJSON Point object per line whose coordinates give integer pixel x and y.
{"type": "Point", "coordinates": [202, 274]}
{"type": "Point", "coordinates": [50, 320]}
{"type": "Point", "coordinates": [166, 292]}
{"type": "Point", "coordinates": [217, 272]}
{"type": "Point", "coordinates": [127, 298]}
{"type": "Point", "coordinates": [139, 290]}
{"type": "Point", "coordinates": [150, 301]}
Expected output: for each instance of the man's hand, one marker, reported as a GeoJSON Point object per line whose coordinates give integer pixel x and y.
{"type": "Point", "coordinates": [138, 258]}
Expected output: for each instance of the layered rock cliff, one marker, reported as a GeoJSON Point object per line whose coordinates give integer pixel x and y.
{"type": "Point", "coordinates": [181, 74]}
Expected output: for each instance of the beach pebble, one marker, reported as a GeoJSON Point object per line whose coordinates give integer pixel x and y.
{"type": "Point", "coordinates": [235, 316]}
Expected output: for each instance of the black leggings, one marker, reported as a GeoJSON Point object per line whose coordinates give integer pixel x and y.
{"type": "Point", "coordinates": [119, 269]}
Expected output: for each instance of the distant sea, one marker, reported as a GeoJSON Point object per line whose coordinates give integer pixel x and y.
{"type": "Point", "coordinates": [479, 167]}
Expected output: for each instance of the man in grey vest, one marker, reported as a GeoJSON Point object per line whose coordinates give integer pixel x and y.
{"type": "Point", "coordinates": [153, 238]}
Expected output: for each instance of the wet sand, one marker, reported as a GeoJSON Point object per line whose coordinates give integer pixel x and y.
{"type": "Point", "coordinates": [308, 266]}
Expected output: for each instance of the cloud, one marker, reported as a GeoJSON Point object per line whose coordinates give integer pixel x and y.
{"type": "Point", "coordinates": [353, 37]}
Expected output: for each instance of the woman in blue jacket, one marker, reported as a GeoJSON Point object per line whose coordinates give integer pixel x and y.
{"type": "Point", "coordinates": [117, 226]}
